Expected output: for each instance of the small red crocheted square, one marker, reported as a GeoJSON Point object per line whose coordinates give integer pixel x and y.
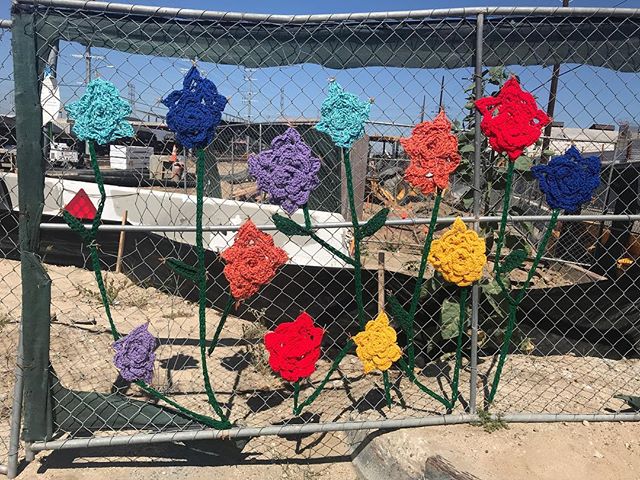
{"type": "Point", "coordinates": [81, 206]}
{"type": "Point", "coordinates": [433, 151]}
{"type": "Point", "coordinates": [251, 261]}
{"type": "Point", "coordinates": [511, 120]}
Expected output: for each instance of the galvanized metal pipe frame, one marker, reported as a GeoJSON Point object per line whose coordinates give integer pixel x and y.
{"type": "Point", "coordinates": [480, 14]}
{"type": "Point", "coordinates": [16, 415]}
{"type": "Point", "coordinates": [185, 13]}
{"type": "Point", "coordinates": [330, 225]}
{"type": "Point", "coordinates": [477, 165]}
{"type": "Point", "coordinates": [248, 432]}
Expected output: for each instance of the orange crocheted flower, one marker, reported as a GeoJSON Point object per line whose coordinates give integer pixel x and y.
{"type": "Point", "coordinates": [511, 119]}
{"type": "Point", "coordinates": [251, 261]}
{"type": "Point", "coordinates": [433, 151]}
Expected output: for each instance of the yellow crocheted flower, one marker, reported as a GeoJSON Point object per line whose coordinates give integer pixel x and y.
{"type": "Point", "coordinates": [459, 255]}
{"type": "Point", "coordinates": [377, 346]}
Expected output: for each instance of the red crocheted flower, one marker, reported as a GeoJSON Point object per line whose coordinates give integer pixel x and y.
{"type": "Point", "coordinates": [294, 348]}
{"type": "Point", "coordinates": [511, 119]}
{"type": "Point", "coordinates": [433, 151]}
{"type": "Point", "coordinates": [251, 261]}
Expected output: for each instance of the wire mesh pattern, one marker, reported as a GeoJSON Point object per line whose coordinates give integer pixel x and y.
{"type": "Point", "coordinates": [577, 338]}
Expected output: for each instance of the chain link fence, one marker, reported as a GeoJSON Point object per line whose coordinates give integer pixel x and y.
{"type": "Point", "coordinates": [577, 340]}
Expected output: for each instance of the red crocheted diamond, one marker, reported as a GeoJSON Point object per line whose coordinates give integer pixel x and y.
{"type": "Point", "coordinates": [433, 151]}
{"type": "Point", "coordinates": [511, 120]}
{"type": "Point", "coordinates": [81, 206]}
{"type": "Point", "coordinates": [251, 261]}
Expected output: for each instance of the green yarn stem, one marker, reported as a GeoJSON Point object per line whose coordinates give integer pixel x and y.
{"type": "Point", "coordinates": [464, 294]}
{"type": "Point", "coordinates": [90, 238]}
{"type": "Point", "coordinates": [387, 387]}
{"type": "Point", "coordinates": [325, 380]}
{"type": "Point", "coordinates": [357, 267]}
{"type": "Point", "coordinates": [420, 279]}
{"type": "Point", "coordinates": [296, 395]}
{"type": "Point", "coordinates": [424, 388]}
{"type": "Point", "coordinates": [320, 241]}
{"type": "Point", "coordinates": [505, 213]}
{"type": "Point", "coordinates": [223, 319]}
{"type": "Point", "coordinates": [513, 305]}
{"type": "Point", "coordinates": [202, 285]}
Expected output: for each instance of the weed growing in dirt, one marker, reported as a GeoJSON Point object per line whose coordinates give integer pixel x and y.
{"type": "Point", "coordinates": [115, 290]}
{"type": "Point", "coordinates": [489, 422]}
{"type": "Point", "coordinates": [257, 354]}
{"type": "Point", "coordinates": [4, 320]}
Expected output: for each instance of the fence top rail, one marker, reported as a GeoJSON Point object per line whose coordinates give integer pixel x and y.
{"type": "Point", "coordinates": [5, 24]}
{"type": "Point", "coordinates": [171, 12]}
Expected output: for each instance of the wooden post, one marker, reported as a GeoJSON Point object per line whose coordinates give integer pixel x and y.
{"type": "Point", "coordinates": [121, 244]}
{"type": "Point", "coordinates": [381, 281]}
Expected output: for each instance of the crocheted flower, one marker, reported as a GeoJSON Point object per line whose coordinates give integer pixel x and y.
{"type": "Point", "coordinates": [433, 151]}
{"type": "Point", "coordinates": [459, 255]}
{"type": "Point", "coordinates": [343, 116]}
{"type": "Point", "coordinates": [251, 261]}
{"type": "Point", "coordinates": [100, 114]}
{"type": "Point", "coordinates": [195, 111]}
{"type": "Point", "coordinates": [511, 119]}
{"type": "Point", "coordinates": [568, 180]}
{"type": "Point", "coordinates": [135, 355]}
{"type": "Point", "coordinates": [288, 172]}
{"type": "Point", "coordinates": [294, 348]}
{"type": "Point", "coordinates": [377, 346]}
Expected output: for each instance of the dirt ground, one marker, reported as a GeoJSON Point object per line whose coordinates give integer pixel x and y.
{"type": "Point", "coordinates": [590, 451]}
{"type": "Point", "coordinates": [576, 380]}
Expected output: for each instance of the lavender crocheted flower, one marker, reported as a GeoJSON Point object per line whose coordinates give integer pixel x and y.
{"type": "Point", "coordinates": [195, 111]}
{"type": "Point", "coordinates": [343, 116]}
{"type": "Point", "coordinates": [287, 172]}
{"type": "Point", "coordinates": [135, 355]}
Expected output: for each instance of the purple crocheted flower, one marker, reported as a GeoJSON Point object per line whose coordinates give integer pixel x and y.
{"type": "Point", "coordinates": [135, 354]}
{"type": "Point", "coordinates": [288, 172]}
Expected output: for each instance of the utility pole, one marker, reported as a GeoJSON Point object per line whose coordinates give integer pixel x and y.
{"type": "Point", "coordinates": [132, 95]}
{"type": "Point", "coordinates": [551, 105]}
{"type": "Point", "coordinates": [87, 64]}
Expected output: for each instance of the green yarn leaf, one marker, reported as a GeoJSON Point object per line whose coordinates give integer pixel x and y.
{"type": "Point", "coordinates": [76, 225]}
{"type": "Point", "coordinates": [183, 269]}
{"type": "Point", "coordinates": [398, 313]}
{"type": "Point", "coordinates": [374, 224]}
{"type": "Point", "coordinates": [288, 226]}
{"type": "Point", "coordinates": [514, 260]}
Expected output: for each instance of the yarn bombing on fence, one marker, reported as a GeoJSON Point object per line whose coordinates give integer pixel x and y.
{"type": "Point", "coordinates": [377, 346]}
{"type": "Point", "coordinates": [251, 261]}
{"type": "Point", "coordinates": [195, 111]}
{"type": "Point", "coordinates": [294, 348]}
{"type": "Point", "coordinates": [568, 180]}
{"type": "Point", "coordinates": [433, 151]}
{"type": "Point", "coordinates": [287, 172]}
{"type": "Point", "coordinates": [459, 255]}
{"type": "Point", "coordinates": [343, 116]}
{"type": "Point", "coordinates": [135, 354]}
{"type": "Point", "coordinates": [511, 120]}
{"type": "Point", "coordinates": [100, 114]}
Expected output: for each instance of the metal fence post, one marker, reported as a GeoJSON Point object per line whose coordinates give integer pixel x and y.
{"type": "Point", "coordinates": [16, 415]}
{"type": "Point", "coordinates": [36, 284]}
{"type": "Point", "coordinates": [475, 292]}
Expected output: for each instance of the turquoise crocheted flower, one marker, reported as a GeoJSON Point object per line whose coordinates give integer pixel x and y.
{"type": "Point", "coordinates": [100, 115]}
{"type": "Point", "coordinates": [343, 116]}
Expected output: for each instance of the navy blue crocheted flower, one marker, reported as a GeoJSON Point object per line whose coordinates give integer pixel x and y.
{"type": "Point", "coordinates": [195, 111]}
{"type": "Point", "coordinates": [568, 180]}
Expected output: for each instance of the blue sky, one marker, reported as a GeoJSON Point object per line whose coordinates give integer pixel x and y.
{"type": "Point", "coordinates": [586, 95]}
